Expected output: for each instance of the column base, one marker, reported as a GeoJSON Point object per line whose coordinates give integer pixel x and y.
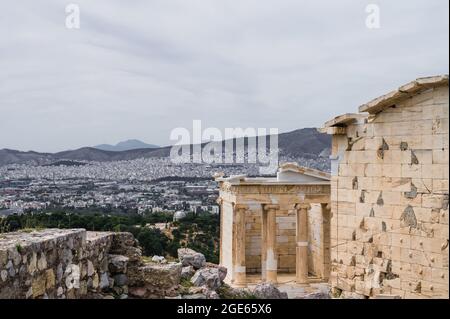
{"type": "Point", "coordinates": [302, 265]}
{"type": "Point", "coordinates": [271, 276]}
{"type": "Point", "coordinates": [263, 272]}
{"type": "Point", "coordinates": [302, 281]}
{"type": "Point", "coordinates": [240, 280]}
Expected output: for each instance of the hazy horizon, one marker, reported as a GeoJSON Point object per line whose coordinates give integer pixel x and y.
{"type": "Point", "coordinates": [138, 70]}
{"type": "Point", "coordinates": [131, 139]}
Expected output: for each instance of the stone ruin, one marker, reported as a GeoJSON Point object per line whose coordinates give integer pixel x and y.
{"type": "Point", "coordinates": [80, 264]}
{"type": "Point", "coordinates": [66, 263]}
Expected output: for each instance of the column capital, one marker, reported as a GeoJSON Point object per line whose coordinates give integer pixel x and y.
{"type": "Point", "coordinates": [327, 206]}
{"type": "Point", "coordinates": [240, 206]}
{"type": "Point", "coordinates": [268, 207]}
{"type": "Point", "coordinates": [219, 201]}
{"type": "Point", "coordinates": [301, 206]}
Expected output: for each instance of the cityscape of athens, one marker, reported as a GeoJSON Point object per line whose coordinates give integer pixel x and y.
{"type": "Point", "coordinates": [184, 150]}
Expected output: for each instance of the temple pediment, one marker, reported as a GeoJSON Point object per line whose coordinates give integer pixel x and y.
{"type": "Point", "coordinates": [288, 174]}
{"type": "Point", "coordinates": [292, 172]}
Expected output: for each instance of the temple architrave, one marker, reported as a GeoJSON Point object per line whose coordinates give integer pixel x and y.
{"type": "Point", "coordinates": [275, 225]}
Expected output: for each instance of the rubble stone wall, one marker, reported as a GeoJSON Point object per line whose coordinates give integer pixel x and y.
{"type": "Point", "coordinates": [61, 263]}
{"type": "Point", "coordinates": [390, 195]}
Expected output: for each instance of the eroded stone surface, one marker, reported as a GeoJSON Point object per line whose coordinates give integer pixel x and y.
{"type": "Point", "coordinates": [156, 280]}
{"type": "Point", "coordinates": [208, 277]}
{"type": "Point", "coordinates": [118, 263]}
{"type": "Point", "coordinates": [268, 291]}
{"type": "Point", "coordinates": [187, 272]}
{"type": "Point", "coordinates": [189, 257]}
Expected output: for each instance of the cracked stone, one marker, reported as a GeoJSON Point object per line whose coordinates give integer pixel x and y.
{"type": "Point", "coordinates": [408, 217]}
{"type": "Point", "coordinates": [383, 147]}
{"type": "Point", "coordinates": [362, 196]}
{"type": "Point", "coordinates": [412, 193]}
{"type": "Point", "coordinates": [355, 183]}
{"type": "Point", "coordinates": [90, 268]}
{"type": "Point", "coordinates": [73, 277]}
{"type": "Point", "coordinates": [403, 146]}
{"type": "Point", "coordinates": [380, 201]}
{"type": "Point", "coordinates": [414, 159]}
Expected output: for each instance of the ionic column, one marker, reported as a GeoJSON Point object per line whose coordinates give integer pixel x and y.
{"type": "Point", "coordinates": [302, 243]}
{"type": "Point", "coordinates": [326, 240]}
{"type": "Point", "coordinates": [271, 255]}
{"type": "Point", "coordinates": [219, 201]}
{"type": "Point", "coordinates": [263, 245]}
{"type": "Point", "coordinates": [239, 270]}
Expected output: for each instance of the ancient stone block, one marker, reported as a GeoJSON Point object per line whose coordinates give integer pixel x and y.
{"type": "Point", "coordinates": [49, 279]}
{"type": "Point", "coordinates": [38, 286]}
{"type": "Point", "coordinates": [439, 201]}
{"type": "Point", "coordinates": [408, 217]}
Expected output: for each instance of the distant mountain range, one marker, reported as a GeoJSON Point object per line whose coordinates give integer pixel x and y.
{"type": "Point", "coordinates": [125, 146]}
{"type": "Point", "coordinates": [306, 143]}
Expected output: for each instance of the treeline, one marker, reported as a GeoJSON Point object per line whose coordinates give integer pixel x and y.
{"type": "Point", "coordinates": [196, 231]}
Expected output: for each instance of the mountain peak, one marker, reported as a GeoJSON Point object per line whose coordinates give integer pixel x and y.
{"type": "Point", "coordinates": [127, 145]}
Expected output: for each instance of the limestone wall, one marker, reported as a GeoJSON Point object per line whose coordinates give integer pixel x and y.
{"type": "Point", "coordinates": [390, 192]}
{"type": "Point", "coordinates": [285, 241]}
{"type": "Point", "coordinates": [63, 263]}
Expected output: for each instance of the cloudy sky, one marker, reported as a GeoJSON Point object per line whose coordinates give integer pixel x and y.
{"type": "Point", "coordinates": [138, 69]}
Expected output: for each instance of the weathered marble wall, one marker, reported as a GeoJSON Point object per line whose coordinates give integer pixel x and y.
{"type": "Point", "coordinates": [390, 196]}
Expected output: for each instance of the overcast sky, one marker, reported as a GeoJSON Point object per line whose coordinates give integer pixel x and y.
{"type": "Point", "coordinates": [138, 69]}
